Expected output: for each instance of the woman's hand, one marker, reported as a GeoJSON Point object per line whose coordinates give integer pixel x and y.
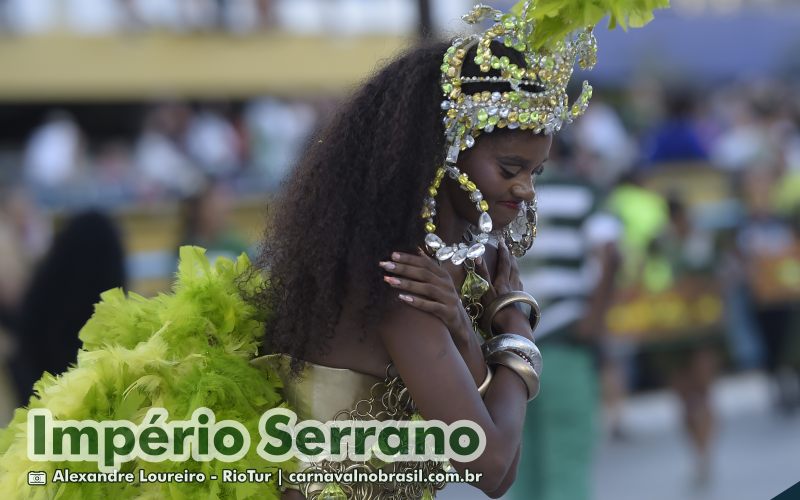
{"type": "Point", "coordinates": [506, 279]}
{"type": "Point", "coordinates": [427, 286]}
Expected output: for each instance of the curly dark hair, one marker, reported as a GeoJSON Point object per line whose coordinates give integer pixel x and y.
{"type": "Point", "coordinates": [353, 198]}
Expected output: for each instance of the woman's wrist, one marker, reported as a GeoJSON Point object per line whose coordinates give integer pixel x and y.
{"type": "Point", "coordinates": [468, 345]}
{"type": "Point", "coordinates": [505, 376]}
{"type": "Point", "coordinates": [511, 319]}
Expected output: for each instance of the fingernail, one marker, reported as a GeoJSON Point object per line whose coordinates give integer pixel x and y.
{"type": "Point", "coordinates": [406, 298]}
{"type": "Point", "coordinates": [479, 260]}
{"type": "Point", "coordinates": [387, 265]}
{"type": "Point", "coordinates": [391, 280]}
{"type": "Point", "coordinates": [395, 256]}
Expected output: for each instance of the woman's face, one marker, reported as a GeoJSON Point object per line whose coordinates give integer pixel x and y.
{"type": "Point", "coordinates": [503, 165]}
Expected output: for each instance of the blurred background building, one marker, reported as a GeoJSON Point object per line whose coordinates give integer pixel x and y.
{"type": "Point", "coordinates": [179, 118]}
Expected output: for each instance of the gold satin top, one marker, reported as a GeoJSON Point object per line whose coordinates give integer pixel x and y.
{"type": "Point", "coordinates": [324, 393]}
{"type": "Point", "coordinates": [319, 392]}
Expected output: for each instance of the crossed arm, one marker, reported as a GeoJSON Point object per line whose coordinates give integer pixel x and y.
{"type": "Point", "coordinates": [442, 369]}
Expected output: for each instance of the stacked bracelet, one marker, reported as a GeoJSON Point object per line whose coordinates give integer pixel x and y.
{"type": "Point", "coordinates": [517, 344]}
{"type": "Point", "coordinates": [485, 384]}
{"type": "Point", "coordinates": [522, 368]}
{"type": "Point", "coordinates": [506, 300]}
{"type": "Point", "coordinates": [518, 354]}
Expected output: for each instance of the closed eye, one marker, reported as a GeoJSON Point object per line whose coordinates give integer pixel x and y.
{"type": "Point", "coordinates": [511, 171]}
{"type": "Point", "coordinates": [507, 173]}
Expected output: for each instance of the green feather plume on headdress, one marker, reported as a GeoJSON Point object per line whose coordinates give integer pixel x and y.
{"type": "Point", "coordinates": [180, 351]}
{"type": "Point", "coordinates": [554, 20]}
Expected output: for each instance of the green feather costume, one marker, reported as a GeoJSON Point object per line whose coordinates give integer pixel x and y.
{"type": "Point", "coordinates": [554, 20]}
{"type": "Point", "coordinates": [180, 351]}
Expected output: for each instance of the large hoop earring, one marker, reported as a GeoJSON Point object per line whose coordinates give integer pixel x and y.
{"type": "Point", "coordinates": [520, 234]}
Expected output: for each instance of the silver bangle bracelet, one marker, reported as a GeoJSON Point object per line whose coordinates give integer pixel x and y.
{"type": "Point", "coordinates": [517, 344]}
{"type": "Point", "coordinates": [485, 384]}
{"type": "Point", "coordinates": [518, 365]}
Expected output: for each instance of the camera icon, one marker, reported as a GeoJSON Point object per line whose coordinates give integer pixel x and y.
{"type": "Point", "coordinates": [37, 478]}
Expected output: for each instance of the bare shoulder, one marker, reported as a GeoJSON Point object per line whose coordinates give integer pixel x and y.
{"type": "Point", "coordinates": [422, 350]}
{"type": "Point", "coordinates": [404, 326]}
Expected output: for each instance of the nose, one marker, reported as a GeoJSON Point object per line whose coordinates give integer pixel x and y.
{"type": "Point", "coordinates": [524, 191]}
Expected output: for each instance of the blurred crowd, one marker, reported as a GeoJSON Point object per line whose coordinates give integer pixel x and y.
{"type": "Point", "coordinates": [699, 243]}
{"type": "Point", "coordinates": [238, 17]}
{"type": "Point", "coordinates": [720, 169]}
{"type": "Point", "coordinates": [696, 194]}
{"type": "Point", "coordinates": [177, 148]}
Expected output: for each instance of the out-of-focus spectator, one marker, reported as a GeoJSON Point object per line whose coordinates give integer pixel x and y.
{"type": "Point", "coordinates": [759, 132]}
{"type": "Point", "coordinates": [764, 237]}
{"type": "Point", "coordinates": [743, 142]}
{"type": "Point", "coordinates": [213, 142]}
{"type": "Point", "coordinates": [85, 260]}
{"type": "Point", "coordinates": [24, 238]}
{"type": "Point", "coordinates": [54, 152]}
{"type": "Point", "coordinates": [206, 222]}
{"type": "Point", "coordinates": [644, 215]}
{"type": "Point", "coordinates": [160, 156]}
{"type": "Point", "coordinates": [235, 16]}
{"type": "Point", "coordinates": [34, 231]}
{"type": "Point", "coordinates": [277, 132]}
{"type": "Point", "coordinates": [744, 340]}
{"type": "Point", "coordinates": [94, 17]}
{"type": "Point", "coordinates": [689, 363]}
{"type": "Point", "coordinates": [643, 106]}
{"type": "Point", "coordinates": [243, 16]}
{"type": "Point", "coordinates": [677, 139]}
{"type": "Point", "coordinates": [13, 275]}
{"type": "Point", "coordinates": [347, 17]}
{"type": "Point", "coordinates": [198, 15]}
{"type": "Point", "coordinates": [786, 194]}
{"type": "Point", "coordinates": [266, 13]}
{"type": "Point", "coordinates": [156, 14]}
{"type": "Point", "coordinates": [603, 147]}
{"type": "Point", "coordinates": [113, 174]}
{"type": "Point", "coordinates": [30, 17]}
{"type": "Point", "coordinates": [113, 164]}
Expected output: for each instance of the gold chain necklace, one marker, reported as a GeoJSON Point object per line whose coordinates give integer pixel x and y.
{"type": "Point", "coordinates": [471, 292]}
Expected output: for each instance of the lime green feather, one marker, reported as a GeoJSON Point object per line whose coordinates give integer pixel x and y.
{"type": "Point", "coordinates": [179, 351]}
{"type": "Point", "coordinates": [554, 20]}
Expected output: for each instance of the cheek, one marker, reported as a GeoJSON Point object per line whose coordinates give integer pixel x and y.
{"type": "Point", "coordinates": [462, 205]}
{"type": "Point", "coordinates": [461, 202]}
{"type": "Point", "coordinates": [488, 181]}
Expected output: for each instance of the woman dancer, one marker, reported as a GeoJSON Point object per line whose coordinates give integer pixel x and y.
{"type": "Point", "coordinates": [390, 249]}
{"type": "Point", "coordinates": [350, 288]}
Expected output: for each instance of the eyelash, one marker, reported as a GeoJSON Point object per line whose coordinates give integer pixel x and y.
{"type": "Point", "coordinates": [506, 174]}
{"type": "Point", "coordinates": [509, 175]}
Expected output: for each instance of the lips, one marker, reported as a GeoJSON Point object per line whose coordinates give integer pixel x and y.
{"type": "Point", "coordinates": [514, 205]}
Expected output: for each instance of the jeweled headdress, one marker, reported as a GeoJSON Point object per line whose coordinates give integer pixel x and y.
{"type": "Point", "coordinates": [550, 36]}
